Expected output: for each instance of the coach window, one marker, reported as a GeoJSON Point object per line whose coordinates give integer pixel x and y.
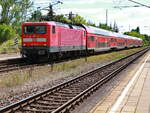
{"type": "Point", "coordinates": [92, 38]}
{"type": "Point", "coordinates": [53, 29]}
{"type": "Point", "coordinates": [112, 40]}
{"type": "Point", "coordinates": [84, 33]}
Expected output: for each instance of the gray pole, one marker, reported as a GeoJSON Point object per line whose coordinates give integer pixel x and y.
{"type": "Point", "coordinates": [106, 16]}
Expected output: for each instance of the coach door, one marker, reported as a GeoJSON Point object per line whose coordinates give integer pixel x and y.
{"type": "Point", "coordinates": [91, 42]}
{"type": "Point", "coordinates": [54, 39]}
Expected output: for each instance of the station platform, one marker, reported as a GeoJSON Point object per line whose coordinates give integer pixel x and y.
{"type": "Point", "coordinates": [132, 94]}
{"type": "Point", "coordinates": [9, 56]}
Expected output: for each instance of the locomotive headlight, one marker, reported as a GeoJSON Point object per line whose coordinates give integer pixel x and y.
{"type": "Point", "coordinates": [27, 39]}
{"type": "Point", "coordinates": [41, 39]}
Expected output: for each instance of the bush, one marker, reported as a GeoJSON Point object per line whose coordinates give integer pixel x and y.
{"type": "Point", "coordinates": [6, 33]}
{"type": "Point", "coordinates": [9, 47]}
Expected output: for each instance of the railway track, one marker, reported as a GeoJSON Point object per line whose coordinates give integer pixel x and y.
{"type": "Point", "coordinates": [22, 63]}
{"type": "Point", "coordinates": [12, 64]}
{"type": "Point", "coordinates": [65, 96]}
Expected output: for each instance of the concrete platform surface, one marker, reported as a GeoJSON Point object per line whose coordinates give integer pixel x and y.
{"type": "Point", "coordinates": [132, 95]}
{"type": "Point", "coordinates": [9, 56]}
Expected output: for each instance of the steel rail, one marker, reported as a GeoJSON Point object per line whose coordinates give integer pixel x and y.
{"type": "Point", "coordinates": [75, 100]}
{"type": "Point", "coordinates": [6, 67]}
{"type": "Point", "coordinates": [79, 98]}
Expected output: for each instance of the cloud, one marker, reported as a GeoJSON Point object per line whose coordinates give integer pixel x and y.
{"type": "Point", "coordinates": [83, 2]}
{"type": "Point", "coordinates": [95, 10]}
{"type": "Point", "coordinates": [83, 11]}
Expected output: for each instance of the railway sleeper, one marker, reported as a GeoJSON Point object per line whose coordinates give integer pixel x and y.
{"type": "Point", "coordinates": [77, 85]}
{"type": "Point", "coordinates": [28, 110]}
{"type": "Point", "coordinates": [50, 103]}
{"type": "Point", "coordinates": [62, 95]}
{"type": "Point", "coordinates": [53, 101]}
{"type": "Point", "coordinates": [51, 107]}
{"type": "Point", "coordinates": [69, 93]}
{"type": "Point", "coordinates": [67, 96]}
{"type": "Point", "coordinates": [59, 98]}
{"type": "Point", "coordinates": [75, 88]}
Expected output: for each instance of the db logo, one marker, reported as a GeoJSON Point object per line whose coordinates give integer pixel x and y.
{"type": "Point", "coordinates": [34, 39]}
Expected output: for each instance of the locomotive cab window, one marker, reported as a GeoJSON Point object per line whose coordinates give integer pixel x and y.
{"type": "Point", "coordinates": [31, 29]}
{"type": "Point", "coordinates": [40, 29]}
{"type": "Point", "coordinates": [53, 29]}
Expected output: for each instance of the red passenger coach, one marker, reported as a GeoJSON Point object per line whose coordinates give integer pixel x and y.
{"type": "Point", "coordinates": [97, 39]}
{"type": "Point", "coordinates": [50, 38]}
{"type": "Point", "coordinates": [103, 40]}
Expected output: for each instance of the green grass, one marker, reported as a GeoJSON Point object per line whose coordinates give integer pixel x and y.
{"type": "Point", "coordinates": [35, 73]}
{"type": "Point", "coordinates": [9, 47]}
{"type": "Point", "coordinates": [14, 79]}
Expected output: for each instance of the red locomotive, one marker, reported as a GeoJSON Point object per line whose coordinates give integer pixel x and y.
{"type": "Point", "coordinates": [54, 39]}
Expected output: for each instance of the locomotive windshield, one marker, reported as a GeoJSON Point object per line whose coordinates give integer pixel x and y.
{"type": "Point", "coordinates": [30, 29]}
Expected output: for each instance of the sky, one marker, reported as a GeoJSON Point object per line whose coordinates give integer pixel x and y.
{"type": "Point", "coordinates": [95, 11]}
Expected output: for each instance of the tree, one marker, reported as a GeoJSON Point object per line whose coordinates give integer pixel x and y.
{"type": "Point", "coordinates": [145, 38]}
{"type": "Point", "coordinates": [61, 18]}
{"type": "Point", "coordinates": [14, 11]}
{"type": "Point", "coordinates": [136, 30]}
{"type": "Point", "coordinates": [36, 16]}
{"type": "Point", "coordinates": [90, 23]}
{"type": "Point", "coordinates": [77, 19]}
{"type": "Point", "coordinates": [135, 34]}
{"type": "Point", "coordinates": [106, 27]}
{"type": "Point", "coordinates": [115, 27]}
{"type": "Point", "coordinates": [6, 33]}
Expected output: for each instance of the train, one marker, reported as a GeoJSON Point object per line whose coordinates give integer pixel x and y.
{"type": "Point", "coordinates": [54, 39]}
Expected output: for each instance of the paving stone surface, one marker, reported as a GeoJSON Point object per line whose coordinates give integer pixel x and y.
{"type": "Point", "coordinates": [137, 99]}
